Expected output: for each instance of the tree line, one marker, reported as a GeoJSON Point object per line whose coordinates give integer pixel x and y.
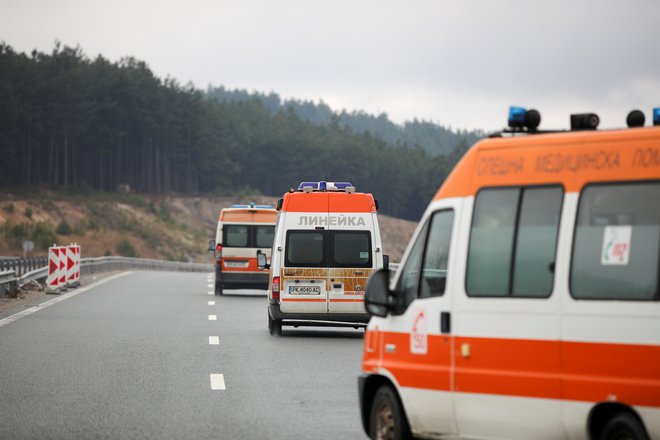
{"type": "Point", "coordinates": [67, 120]}
{"type": "Point", "coordinates": [432, 137]}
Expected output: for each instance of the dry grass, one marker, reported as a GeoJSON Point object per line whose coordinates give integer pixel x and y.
{"type": "Point", "coordinates": [164, 227]}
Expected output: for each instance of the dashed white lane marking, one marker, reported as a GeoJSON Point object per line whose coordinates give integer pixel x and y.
{"type": "Point", "coordinates": [211, 293]}
{"type": "Point", "coordinates": [211, 303]}
{"type": "Point", "coordinates": [210, 285]}
{"type": "Point", "coordinates": [213, 318]}
{"type": "Point", "coordinates": [53, 301]}
{"type": "Point", "coordinates": [217, 382]}
{"type": "Point", "coordinates": [214, 340]}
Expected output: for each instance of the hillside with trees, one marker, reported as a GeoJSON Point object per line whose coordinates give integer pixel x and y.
{"type": "Point", "coordinates": [434, 138]}
{"type": "Point", "coordinates": [70, 121]}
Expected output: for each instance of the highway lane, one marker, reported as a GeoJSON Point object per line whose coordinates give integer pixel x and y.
{"type": "Point", "coordinates": [132, 359]}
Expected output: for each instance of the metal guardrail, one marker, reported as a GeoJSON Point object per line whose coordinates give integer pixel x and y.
{"type": "Point", "coordinates": [94, 265]}
{"type": "Point", "coordinates": [8, 281]}
{"type": "Point", "coordinates": [22, 265]}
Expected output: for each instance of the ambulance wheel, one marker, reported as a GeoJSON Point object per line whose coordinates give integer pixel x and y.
{"type": "Point", "coordinates": [624, 426]}
{"type": "Point", "coordinates": [218, 288]}
{"type": "Point", "coordinates": [274, 326]}
{"type": "Point", "coordinates": [387, 421]}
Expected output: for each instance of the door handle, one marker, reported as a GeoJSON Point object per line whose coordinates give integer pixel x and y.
{"type": "Point", "coordinates": [445, 322]}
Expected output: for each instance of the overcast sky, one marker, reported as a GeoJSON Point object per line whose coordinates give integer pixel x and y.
{"type": "Point", "coordinates": [460, 63]}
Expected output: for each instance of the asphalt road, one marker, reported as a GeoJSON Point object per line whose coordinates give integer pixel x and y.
{"type": "Point", "coordinates": [133, 359]}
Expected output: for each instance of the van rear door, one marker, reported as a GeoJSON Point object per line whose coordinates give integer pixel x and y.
{"type": "Point", "coordinates": [351, 259]}
{"type": "Point", "coordinates": [303, 285]}
{"type": "Point", "coordinates": [352, 256]}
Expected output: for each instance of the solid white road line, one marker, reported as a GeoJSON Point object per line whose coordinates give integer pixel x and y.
{"type": "Point", "coordinates": [60, 298]}
{"type": "Point", "coordinates": [213, 318]}
{"type": "Point", "coordinates": [211, 303]}
{"type": "Point", "coordinates": [214, 340]}
{"type": "Point", "coordinates": [217, 382]}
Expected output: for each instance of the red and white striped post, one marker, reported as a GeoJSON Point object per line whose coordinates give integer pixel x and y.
{"type": "Point", "coordinates": [62, 268]}
{"type": "Point", "coordinates": [76, 278]}
{"type": "Point", "coordinates": [73, 265]}
{"type": "Point", "coordinates": [53, 278]}
{"type": "Point", "coordinates": [70, 265]}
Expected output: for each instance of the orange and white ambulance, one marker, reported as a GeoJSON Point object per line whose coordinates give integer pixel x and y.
{"type": "Point", "coordinates": [327, 244]}
{"type": "Point", "coordinates": [526, 305]}
{"type": "Point", "coordinates": [242, 231]}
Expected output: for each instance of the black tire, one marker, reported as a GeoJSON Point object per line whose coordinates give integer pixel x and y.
{"type": "Point", "coordinates": [218, 288]}
{"type": "Point", "coordinates": [624, 426]}
{"type": "Point", "coordinates": [387, 421]}
{"type": "Point", "coordinates": [274, 326]}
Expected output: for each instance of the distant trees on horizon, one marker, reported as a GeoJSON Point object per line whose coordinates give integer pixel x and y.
{"type": "Point", "coordinates": [434, 138]}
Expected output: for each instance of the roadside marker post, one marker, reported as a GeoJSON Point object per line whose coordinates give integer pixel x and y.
{"type": "Point", "coordinates": [76, 276]}
{"type": "Point", "coordinates": [62, 268]}
{"type": "Point", "coordinates": [53, 278]}
{"type": "Point", "coordinates": [70, 266]}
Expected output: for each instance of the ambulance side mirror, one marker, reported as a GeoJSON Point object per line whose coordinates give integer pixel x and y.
{"type": "Point", "coordinates": [376, 297]}
{"type": "Point", "coordinates": [211, 245]}
{"type": "Point", "coordinates": [262, 261]}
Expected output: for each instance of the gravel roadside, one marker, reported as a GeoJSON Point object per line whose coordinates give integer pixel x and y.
{"type": "Point", "coordinates": [32, 296]}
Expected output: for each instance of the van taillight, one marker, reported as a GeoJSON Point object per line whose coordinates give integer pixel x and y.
{"type": "Point", "coordinates": [218, 250]}
{"type": "Point", "coordinates": [276, 288]}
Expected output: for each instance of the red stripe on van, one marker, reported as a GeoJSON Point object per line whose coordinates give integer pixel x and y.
{"type": "Point", "coordinates": [303, 299]}
{"type": "Point", "coordinates": [580, 371]}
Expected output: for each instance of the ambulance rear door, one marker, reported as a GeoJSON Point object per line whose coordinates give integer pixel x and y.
{"type": "Point", "coordinates": [351, 259]}
{"type": "Point", "coordinates": [304, 263]}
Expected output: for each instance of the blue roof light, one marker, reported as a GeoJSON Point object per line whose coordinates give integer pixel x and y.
{"type": "Point", "coordinates": [656, 116]}
{"type": "Point", "coordinates": [517, 116]}
{"type": "Point", "coordinates": [252, 206]}
{"type": "Point", "coordinates": [323, 185]}
{"type": "Point", "coordinates": [313, 185]}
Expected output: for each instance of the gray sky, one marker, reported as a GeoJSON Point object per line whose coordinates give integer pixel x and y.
{"type": "Point", "coordinates": [459, 63]}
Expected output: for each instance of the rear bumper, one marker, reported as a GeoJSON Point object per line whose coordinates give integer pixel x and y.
{"type": "Point", "coordinates": [241, 280]}
{"type": "Point", "coordinates": [318, 319]}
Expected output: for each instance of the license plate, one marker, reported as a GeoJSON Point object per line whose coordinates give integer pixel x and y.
{"type": "Point", "coordinates": [235, 264]}
{"type": "Point", "coordinates": [304, 290]}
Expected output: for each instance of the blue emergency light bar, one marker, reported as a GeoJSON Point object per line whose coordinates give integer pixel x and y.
{"type": "Point", "coordinates": [520, 118]}
{"type": "Point", "coordinates": [656, 116]}
{"type": "Point", "coordinates": [323, 185]}
{"type": "Point", "coordinates": [252, 206]}
{"type": "Point", "coordinates": [517, 116]}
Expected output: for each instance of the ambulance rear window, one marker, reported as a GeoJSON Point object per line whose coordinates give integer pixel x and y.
{"type": "Point", "coordinates": [304, 248]}
{"type": "Point", "coordinates": [352, 248]}
{"type": "Point", "coordinates": [323, 248]}
{"type": "Point", "coordinates": [616, 247]}
{"type": "Point", "coordinates": [236, 236]}
{"type": "Point", "coordinates": [264, 236]}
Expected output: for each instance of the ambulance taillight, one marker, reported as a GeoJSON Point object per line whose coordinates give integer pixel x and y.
{"type": "Point", "coordinates": [218, 251]}
{"type": "Point", "coordinates": [276, 288]}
